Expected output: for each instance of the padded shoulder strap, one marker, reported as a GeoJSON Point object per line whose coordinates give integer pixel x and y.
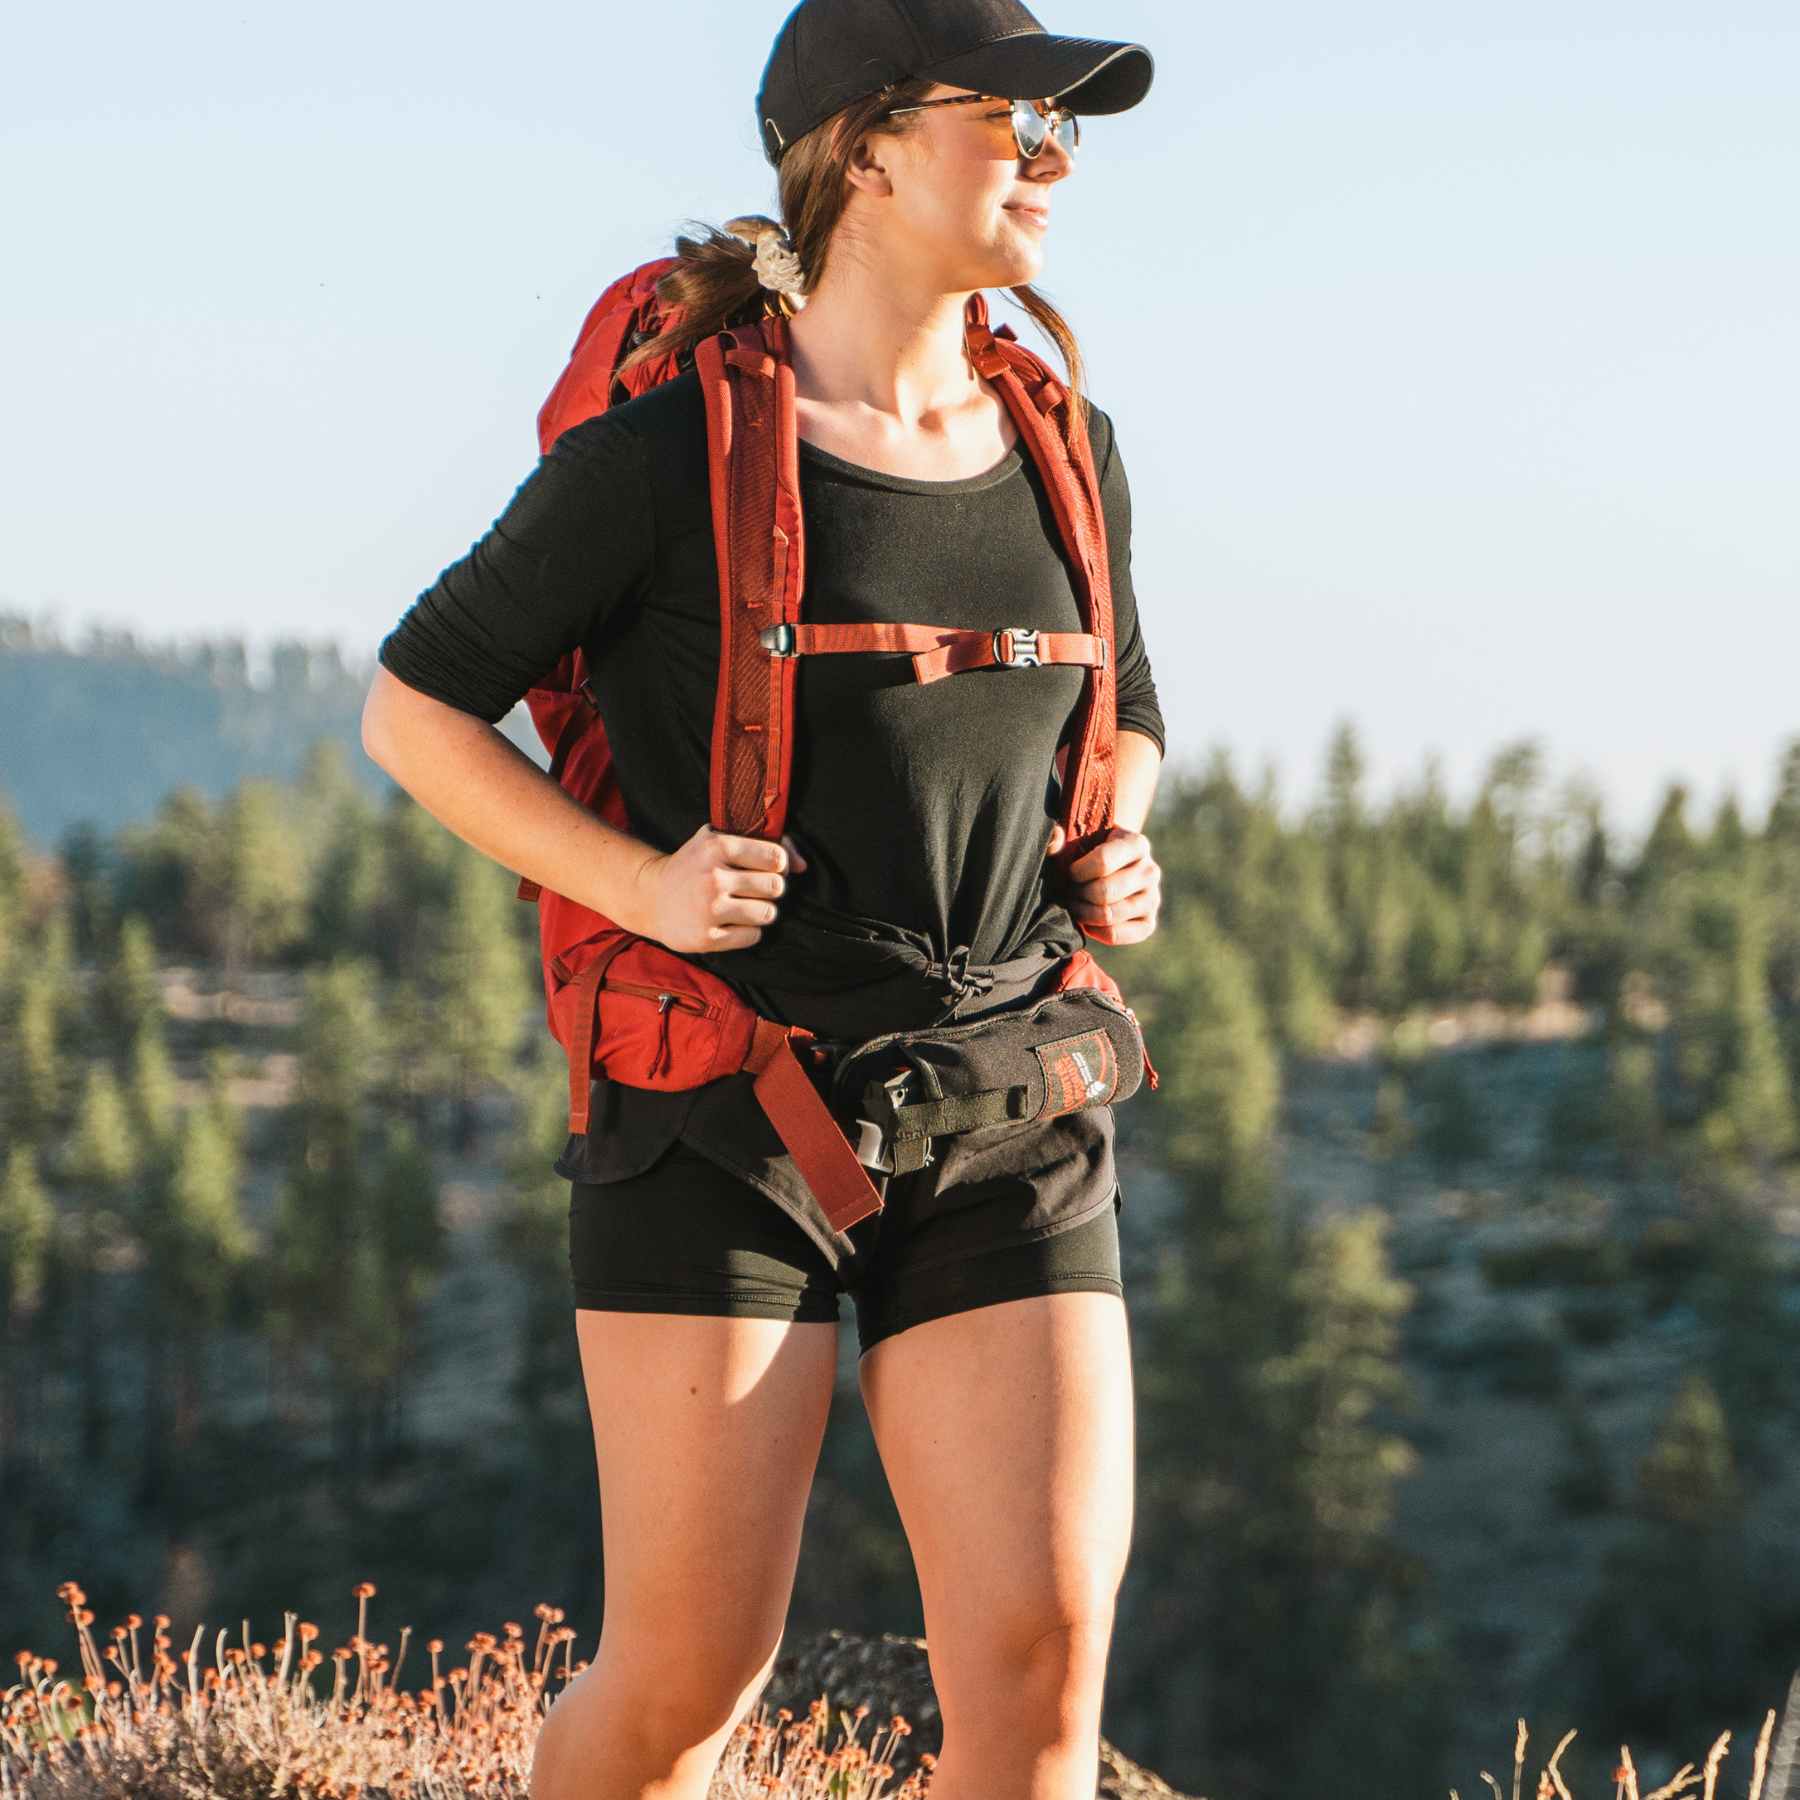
{"type": "Point", "coordinates": [1044, 411]}
{"type": "Point", "coordinates": [753, 453]}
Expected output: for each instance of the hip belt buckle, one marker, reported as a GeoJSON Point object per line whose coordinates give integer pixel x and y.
{"type": "Point", "coordinates": [1021, 648]}
{"type": "Point", "coordinates": [872, 1149]}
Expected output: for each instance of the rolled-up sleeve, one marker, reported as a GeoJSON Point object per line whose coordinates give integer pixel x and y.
{"type": "Point", "coordinates": [574, 542]}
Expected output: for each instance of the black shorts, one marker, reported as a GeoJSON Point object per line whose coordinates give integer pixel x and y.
{"type": "Point", "coordinates": [688, 1236]}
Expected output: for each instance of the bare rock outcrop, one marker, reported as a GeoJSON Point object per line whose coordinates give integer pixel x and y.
{"type": "Point", "coordinates": [889, 1674]}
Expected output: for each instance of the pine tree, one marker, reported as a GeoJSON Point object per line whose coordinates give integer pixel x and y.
{"type": "Point", "coordinates": [479, 988]}
{"type": "Point", "coordinates": [1667, 1640]}
{"type": "Point", "coordinates": [34, 1079]}
{"type": "Point", "coordinates": [196, 1240]}
{"type": "Point", "coordinates": [531, 1231]}
{"type": "Point", "coordinates": [1357, 1654]}
{"type": "Point", "coordinates": [1752, 1116]}
{"type": "Point", "coordinates": [101, 1164]}
{"type": "Point", "coordinates": [27, 1224]}
{"type": "Point", "coordinates": [252, 883]}
{"type": "Point", "coordinates": [127, 993]}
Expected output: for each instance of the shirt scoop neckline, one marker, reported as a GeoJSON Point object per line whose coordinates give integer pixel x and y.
{"type": "Point", "coordinates": [911, 484]}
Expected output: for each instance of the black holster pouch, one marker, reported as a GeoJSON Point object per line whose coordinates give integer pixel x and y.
{"type": "Point", "coordinates": [1054, 1055]}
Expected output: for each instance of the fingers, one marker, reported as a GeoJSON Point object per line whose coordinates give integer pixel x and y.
{"type": "Point", "coordinates": [1117, 850]}
{"type": "Point", "coordinates": [756, 853]}
{"type": "Point", "coordinates": [745, 878]}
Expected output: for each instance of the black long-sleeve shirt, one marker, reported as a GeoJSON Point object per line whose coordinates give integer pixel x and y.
{"type": "Point", "coordinates": [923, 809]}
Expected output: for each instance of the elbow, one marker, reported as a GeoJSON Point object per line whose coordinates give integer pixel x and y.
{"type": "Point", "coordinates": [377, 717]}
{"type": "Point", "coordinates": [370, 741]}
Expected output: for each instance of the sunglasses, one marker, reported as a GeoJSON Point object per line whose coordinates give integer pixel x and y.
{"type": "Point", "coordinates": [1032, 121]}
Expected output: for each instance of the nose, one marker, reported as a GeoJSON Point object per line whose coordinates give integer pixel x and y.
{"type": "Point", "coordinates": [1051, 163]}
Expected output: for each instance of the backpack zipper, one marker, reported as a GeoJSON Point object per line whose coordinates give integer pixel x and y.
{"type": "Point", "coordinates": [665, 1001]}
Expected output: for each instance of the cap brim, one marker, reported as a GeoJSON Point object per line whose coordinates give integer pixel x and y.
{"type": "Point", "coordinates": [1091, 74]}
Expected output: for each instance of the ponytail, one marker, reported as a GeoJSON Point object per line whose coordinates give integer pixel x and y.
{"type": "Point", "coordinates": [717, 283]}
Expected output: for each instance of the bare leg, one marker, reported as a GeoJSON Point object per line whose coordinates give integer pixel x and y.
{"type": "Point", "coordinates": [707, 1432]}
{"type": "Point", "coordinates": [1007, 1434]}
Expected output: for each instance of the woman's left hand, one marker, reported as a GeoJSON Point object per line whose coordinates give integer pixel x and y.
{"type": "Point", "coordinates": [1114, 890]}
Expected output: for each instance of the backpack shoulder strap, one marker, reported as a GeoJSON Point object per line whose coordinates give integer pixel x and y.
{"type": "Point", "coordinates": [747, 380]}
{"type": "Point", "coordinates": [753, 454]}
{"type": "Point", "coordinates": [1043, 409]}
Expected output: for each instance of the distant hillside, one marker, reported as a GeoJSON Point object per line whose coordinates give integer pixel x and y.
{"type": "Point", "coordinates": [105, 729]}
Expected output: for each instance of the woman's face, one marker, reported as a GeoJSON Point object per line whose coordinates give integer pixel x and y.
{"type": "Point", "coordinates": [955, 183]}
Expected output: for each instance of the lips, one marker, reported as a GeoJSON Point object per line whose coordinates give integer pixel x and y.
{"type": "Point", "coordinates": [1039, 213]}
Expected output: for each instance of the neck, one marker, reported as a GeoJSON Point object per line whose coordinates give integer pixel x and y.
{"type": "Point", "coordinates": [868, 342]}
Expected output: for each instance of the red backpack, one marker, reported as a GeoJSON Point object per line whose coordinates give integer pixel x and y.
{"type": "Point", "coordinates": [669, 1022]}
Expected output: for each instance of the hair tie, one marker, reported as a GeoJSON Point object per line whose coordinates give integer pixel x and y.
{"type": "Point", "coordinates": [776, 262]}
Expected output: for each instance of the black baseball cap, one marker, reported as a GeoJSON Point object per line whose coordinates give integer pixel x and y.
{"type": "Point", "coordinates": [831, 52]}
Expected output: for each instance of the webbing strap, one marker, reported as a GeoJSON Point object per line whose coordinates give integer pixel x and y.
{"type": "Point", "coordinates": [961, 1112]}
{"type": "Point", "coordinates": [806, 1126]}
{"type": "Point", "coordinates": [940, 650]}
{"type": "Point", "coordinates": [586, 1024]}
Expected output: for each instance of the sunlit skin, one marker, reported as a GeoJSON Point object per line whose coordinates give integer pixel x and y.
{"type": "Point", "coordinates": [879, 355]}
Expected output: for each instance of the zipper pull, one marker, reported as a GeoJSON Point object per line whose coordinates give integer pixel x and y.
{"type": "Point", "coordinates": [660, 1060]}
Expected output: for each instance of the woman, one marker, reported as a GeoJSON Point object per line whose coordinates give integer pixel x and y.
{"type": "Point", "coordinates": [912, 887]}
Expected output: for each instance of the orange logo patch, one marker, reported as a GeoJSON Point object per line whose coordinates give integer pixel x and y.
{"type": "Point", "coordinates": [1078, 1071]}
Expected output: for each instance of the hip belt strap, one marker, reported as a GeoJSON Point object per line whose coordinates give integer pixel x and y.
{"type": "Point", "coordinates": [806, 1126]}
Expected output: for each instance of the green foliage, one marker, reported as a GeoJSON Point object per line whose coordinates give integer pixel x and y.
{"type": "Point", "coordinates": [1219, 1071]}
{"type": "Point", "coordinates": [1753, 1355]}
{"type": "Point", "coordinates": [1453, 1128]}
{"type": "Point", "coordinates": [1688, 1477]}
{"type": "Point", "coordinates": [479, 987]}
{"type": "Point", "coordinates": [251, 887]}
{"type": "Point", "coordinates": [27, 1221]}
{"type": "Point", "coordinates": [196, 1230]}
{"type": "Point", "coordinates": [105, 1151]}
{"type": "Point", "coordinates": [150, 1090]}
{"type": "Point", "coordinates": [1593, 1319]}
{"type": "Point", "coordinates": [1579, 1121]}
{"type": "Point", "coordinates": [1586, 1259]}
{"type": "Point", "coordinates": [1391, 1131]}
{"type": "Point", "coordinates": [1515, 1352]}
{"type": "Point", "coordinates": [1584, 1483]}
{"type": "Point", "coordinates": [1633, 1114]}
{"type": "Point", "coordinates": [127, 995]}
{"type": "Point", "coordinates": [1344, 1368]}
{"type": "Point", "coordinates": [35, 1078]}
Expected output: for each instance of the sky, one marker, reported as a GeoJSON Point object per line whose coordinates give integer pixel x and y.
{"type": "Point", "coordinates": [1451, 350]}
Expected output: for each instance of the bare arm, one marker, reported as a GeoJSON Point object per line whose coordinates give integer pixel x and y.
{"type": "Point", "coordinates": [1134, 780]}
{"type": "Point", "coordinates": [479, 784]}
{"type": "Point", "coordinates": [718, 891]}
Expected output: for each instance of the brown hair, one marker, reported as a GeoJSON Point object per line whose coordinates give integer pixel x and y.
{"type": "Point", "coordinates": [715, 281]}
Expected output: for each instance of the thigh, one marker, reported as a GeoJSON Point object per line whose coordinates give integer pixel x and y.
{"type": "Point", "coordinates": [706, 1437]}
{"type": "Point", "coordinates": [708, 1386]}
{"type": "Point", "coordinates": [1006, 1431]}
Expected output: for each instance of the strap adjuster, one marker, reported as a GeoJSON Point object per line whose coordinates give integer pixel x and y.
{"type": "Point", "coordinates": [778, 640]}
{"type": "Point", "coordinates": [1021, 651]}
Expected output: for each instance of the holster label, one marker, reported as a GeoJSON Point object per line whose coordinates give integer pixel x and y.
{"type": "Point", "coordinates": [1078, 1071]}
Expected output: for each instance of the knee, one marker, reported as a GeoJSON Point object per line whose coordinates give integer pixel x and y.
{"type": "Point", "coordinates": [1069, 1655]}
{"type": "Point", "coordinates": [1051, 1672]}
{"type": "Point", "coordinates": [699, 1694]}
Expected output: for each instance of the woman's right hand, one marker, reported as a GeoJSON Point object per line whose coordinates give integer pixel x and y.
{"type": "Point", "coordinates": [717, 892]}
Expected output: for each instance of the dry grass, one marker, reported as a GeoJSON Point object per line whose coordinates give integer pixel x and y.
{"type": "Point", "coordinates": [241, 1729]}
{"type": "Point", "coordinates": [1550, 1784]}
